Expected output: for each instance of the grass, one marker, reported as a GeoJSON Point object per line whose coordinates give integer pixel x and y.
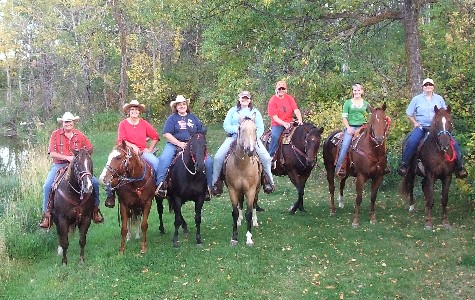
{"type": "Point", "coordinates": [307, 255]}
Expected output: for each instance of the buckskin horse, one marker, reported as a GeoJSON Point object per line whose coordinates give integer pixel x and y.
{"type": "Point", "coordinates": [297, 157]}
{"type": "Point", "coordinates": [366, 160]}
{"type": "Point", "coordinates": [243, 177]}
{"type": "Point", "coordinates": [73, 202]}
{"type": "Point", "coordinates": [434, 160]}
{"type": "Point", "coordinates": [187, 181]}
{"type": "Point", "coordinates": [134, 182]}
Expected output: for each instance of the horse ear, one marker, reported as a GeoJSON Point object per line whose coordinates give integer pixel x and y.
{"type": "Point", "coordinates": [240, 119]}
{"type": "Point", "coordinates": [448, 109]}
{"type": "Point", "coordinates": [436, 109]}
{"type": "Point", "coordinates": [75, 152]}
{"type": "Point", "coordinates": [384, 106]}
{"type": "Point", "coordinates": [124, 144]}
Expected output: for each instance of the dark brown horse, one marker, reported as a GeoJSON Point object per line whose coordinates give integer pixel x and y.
{"type": "Point", "coordinates": [188, 182]}
{"type": "Point", "coordinates": [73, 202]}
{"type": "Point", "coordinates": [297, 157]}
{"type": "Point", "coordinates": [243, 178]}
{"type": "Point", "coordinates": [366, 160]}
{"type": "Point", "coordinates": [134, 181]}
{"type": "Point", "coordinates": [434, 160]}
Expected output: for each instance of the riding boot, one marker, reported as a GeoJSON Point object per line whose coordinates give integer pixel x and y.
{"type": "Point", "coordinates": [208, 194]}
{"type": "Point", "coordinates": [110, 200]}
{"type": "Point", "coordinates": [218, 187]}
{"type": "Point", "coordinates": [402, 170]}
{"type": "Point", "coordinates": [46, 220]}
{"type": "Point", "coordinates": [459, 170]}
{"type": "Point", "coordinates": [266, 184]}
{"type": "Point", "coordinates": [97, 216]}
{"type": "Point", "coordinates": [161, 190]}
{"type": "Point", "coordinates": [387, 170]}
{"type": "Point", "coordinates": [341, 172]}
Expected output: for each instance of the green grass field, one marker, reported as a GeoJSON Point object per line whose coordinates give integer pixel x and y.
{"type": "Point", "coordinates": [303, 256]}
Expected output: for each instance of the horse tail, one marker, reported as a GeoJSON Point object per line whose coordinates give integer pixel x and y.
{"type": "Point", "coordinates": [407, 184]}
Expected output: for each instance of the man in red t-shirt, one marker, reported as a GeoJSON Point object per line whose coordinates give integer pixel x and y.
{"type": "Point", "coordinates": [281, 108]}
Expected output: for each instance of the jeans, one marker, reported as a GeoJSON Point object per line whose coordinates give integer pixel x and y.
{"type": "Point", "coordinates": [413, 140]}
{"type": "Point", "coordinates": [345, 145]}
{"type": "Point", "coordinates": [276, 131]}
{"type": "Point", "coordinates": [50, 179]}
{"type": "Point", "coordinates": [223, 150]}
{"type": "Point", "coordinates": [153, 161]}
{"type": "Point", "coordinates": [166, 159]}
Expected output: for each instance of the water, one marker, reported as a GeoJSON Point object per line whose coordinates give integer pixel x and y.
{"type": "Point", "coordinates": [12, 153]}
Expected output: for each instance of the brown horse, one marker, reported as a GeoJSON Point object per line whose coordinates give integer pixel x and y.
{"type": "Point", "coordinates": [243, 177]}
{"type": "Point", "coordinates": [134, 181]}
{"type": "Point", "coordinates": [297, 157]}
{"type": "Point", "coordinates": [366, 160]}
{"type": "Point", "coordinates": [434, 160]}
{"type": "Point", "coordinates": [73, 202]}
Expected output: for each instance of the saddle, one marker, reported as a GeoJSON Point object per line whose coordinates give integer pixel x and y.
{"type": "Point", "coordinates": [223, 169]}
{"type": "Point", "coordinates": [284, 139]}
{"type": "Point", "coordinates": [58, 177]}
{"type": "Point", "coordinates": [337, 141]}
{"type": "Point", "coordinates": [168, 179]}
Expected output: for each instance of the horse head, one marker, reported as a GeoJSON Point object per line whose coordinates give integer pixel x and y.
{"type": "Point", "coordinates": [247, 135]}
{"type": "Point", "coordinates": [81, 170]}
{"type": "Point", "coordinates": [442, 127]}
{"type": "Point", "coordinates": [118, 163]}
{"type": "Point", "coordinates": [198, 150]}
{"type": "Point", "coordinates": [379, 125]}
{"type": "Point", "coordinates": [312, 137]}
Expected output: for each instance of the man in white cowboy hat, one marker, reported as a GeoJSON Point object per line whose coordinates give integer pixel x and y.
{"type": "Point", "coordinates": [138, 134]}
{"type": "Point", "coordinates": [178, 128]}
{"type": "Point", "coordinates": [60, 144]}
{"type": "Point", "coordinates": [420, 112]}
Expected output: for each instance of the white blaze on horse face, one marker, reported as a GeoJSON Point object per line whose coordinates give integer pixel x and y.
{"type": "Point", "coordinates": [113, 154]}
{"type": "Point", "coordinates": [444, 122]}
{"type": "Point", "coordinates": [89, 181]}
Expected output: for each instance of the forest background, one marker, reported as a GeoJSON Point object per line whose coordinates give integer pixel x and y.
{"type": "Point", "coordinates": [91, 57]}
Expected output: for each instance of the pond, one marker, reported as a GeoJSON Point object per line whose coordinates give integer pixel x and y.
{"type": "Point", "coordinates": [12, 153]}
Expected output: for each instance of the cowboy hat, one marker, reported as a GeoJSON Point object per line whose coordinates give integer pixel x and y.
{"type": "Point", "coordinates": [179, 99]}
{"type": "Point", "coordinates": [67, 117]}
{"type": "Point", "coordinates": [244, 94]}
{"type": "Point", "coordinates": [133, 103]}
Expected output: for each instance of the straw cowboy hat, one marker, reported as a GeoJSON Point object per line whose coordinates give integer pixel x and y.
{"type": "Point", "coordinates": [67, 117]}
{"type": "Point", "coordinates": [179, 99]}
{"type": "Point", "coordinates": [133, 103]}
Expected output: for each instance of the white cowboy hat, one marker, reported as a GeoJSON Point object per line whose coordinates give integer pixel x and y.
{"type": "Point", "coordinates": [67, 117]}
{"type": "Point", "coordinates": [133, 103]}
{"type": "Point", "coordinates": [179, 99]}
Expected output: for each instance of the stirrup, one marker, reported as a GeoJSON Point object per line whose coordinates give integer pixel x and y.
{"type": "Point", "coordinates": [161, 190]}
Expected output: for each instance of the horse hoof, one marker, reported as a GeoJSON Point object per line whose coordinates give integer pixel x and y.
{"type": "Point", "coordinates": [411, 209]}
{"type": "Point", "coordinates": [446, 225]}
{"type": "Point", "coordinates": [292, 210]}
{"type": "Point", "coordinates": [234, 242]}
{"type": "Point", "coordinates": [199, 245]}
{"type": "Point", "coordinates": [372, 222]}
{"type": "Point", "coordinates": [355, 225]}
{"type": "Point", "coordinates": [250, 244]}
{"type": "Point", "coordinates": [176, 245]}
{"type": "Point", "coordinates": [143, 251]}
{"type": "Point", "coordinates": [341, 205]}
{"type": "Point", "coordinates": [428, 227]}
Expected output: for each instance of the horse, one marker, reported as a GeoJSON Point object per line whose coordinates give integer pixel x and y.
{"type": "Point", "coordinates": [73, 202]}
{"type": "Point", "coordinates": [187, 181]}
{"type": "Point", "coordinates": [134, 181]}
{"type": "Point", "coordinates": [296, 157]}
{"type": "Point", "coordinates": [366, 160]}
{"type": "Point", "coordinates": [243, 177]}
{"type": "Point", "coordinates": [435, 159]}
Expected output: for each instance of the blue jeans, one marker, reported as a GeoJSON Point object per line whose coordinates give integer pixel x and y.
{"type": "Point", "coordinates": [153, 161]}
{"type": "Point", "coordinates": [220, 155]}
{"type": "Point", "coordinates": [166, 159]}
{"type": "Point", "coordinates": [50, 179]}
{"type": "Point", "coordinates": [345, 145]}
{"type": "Point", "coordinates": [276, 131]}
{"type": "Point", "coordinates": [413, 140]}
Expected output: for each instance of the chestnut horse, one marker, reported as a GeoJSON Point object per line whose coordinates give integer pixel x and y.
{"type": "Point", "coordinates": [243, 177]}
{"type": "Point", "coordinates": [366, 160]}
{"type": "Point", "coordinates": [134, 181]}
{"type": "Point", "coordinates": [188, 182]}
{"type": "Point", "coordinates": [437, 156]}
{"type": "Point", "coordinates": [73, 202]}
{"type": "Point", "coordinates": [297, 157]}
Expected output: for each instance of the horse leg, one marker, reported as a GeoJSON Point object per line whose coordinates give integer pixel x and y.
{"type": "Point", "coordinates": [342, 188]}
{"type": "Point", "coordinates": [62, 228]}
{"type": "Point", "coordinates": [144, 227]}
{"type": "Point", "coordinates": [331, 188]}
{"type": "Point", "coordinates": [83, 229]}
{"type": "Point", "coordinates": [249, 211]}
{"type": "Point", "coordinates": [428, 189]}
{"type": "Point", "coordinates": [239, 207]}
{"type": "Point", "coordinates": [299, 183]}
{"type": "Point", "coordinates": [375, 183]}
{"type": "Point", "coordinates": [360, 180]}
{"type": "Point", "coordinates": [444, 200]}
{"type": "Point", "coordinates": [235, 215]}
{"type": "Point", "coordinates": [160, 214]}
{"type": "Point", "coordinates": [124, 228]}
{"type": "Point", "coordinates": [198, 208]}
{"type": "Point", "coordinates": [178, 221]}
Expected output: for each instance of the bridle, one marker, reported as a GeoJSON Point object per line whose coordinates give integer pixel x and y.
{"type": "Point", "coordinates": [123, 179]}
{"type": "Point", "coordinates": [385, 135]}
{"type": "Point", "coordinates": [304, 153]}
{"type": "Point", "coordinates": [192, 153]}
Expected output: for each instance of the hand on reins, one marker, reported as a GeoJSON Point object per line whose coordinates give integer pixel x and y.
{"type": "Point", "coordinates": [182, 145]}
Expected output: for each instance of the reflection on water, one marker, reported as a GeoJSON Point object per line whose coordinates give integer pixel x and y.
{"type": "Point", "coordinates": [11, 156]}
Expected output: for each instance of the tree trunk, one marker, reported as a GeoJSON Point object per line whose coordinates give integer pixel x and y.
{"type": "Point", "coordinates": [413, 51]}
{"type": "Point", "coordinates": [119, 19]}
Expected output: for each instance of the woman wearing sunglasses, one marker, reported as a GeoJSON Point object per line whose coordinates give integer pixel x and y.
{"type": "Point", "coordinates": [420, 112]}
{"type": "Point", "coordinates": [281, 108]}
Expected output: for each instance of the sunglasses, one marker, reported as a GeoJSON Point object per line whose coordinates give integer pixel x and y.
{"type": "Point", "coordinates": [428, 84]}
{"type": "Point", "coordinates": [282, 89]}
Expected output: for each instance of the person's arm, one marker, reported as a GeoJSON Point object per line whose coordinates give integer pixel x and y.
{"type": "Point", "coordinates": [298, 114]}
{"type": "Point", "coordinates": [173, 140]}
{"type": "Point", "coordinates": [413, 121]}
{"type": "Point", "coordinates": [59, 156]}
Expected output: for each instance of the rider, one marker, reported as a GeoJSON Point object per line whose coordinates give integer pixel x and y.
{"type": "Point", "coordinates": [61, 142]}
{"type": "Point", "coordinates": [135, 131]}
{"type": "Point", "coordinates": [243, 108]}
{"type": "Point", "coordinates": [178, 128]}
{"type": "Point", "coordinates": [420, 112]}
{"type": "Point", "coordinates": [281, 108]}
{"type": "Point", "coordinates": [354, 115]}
